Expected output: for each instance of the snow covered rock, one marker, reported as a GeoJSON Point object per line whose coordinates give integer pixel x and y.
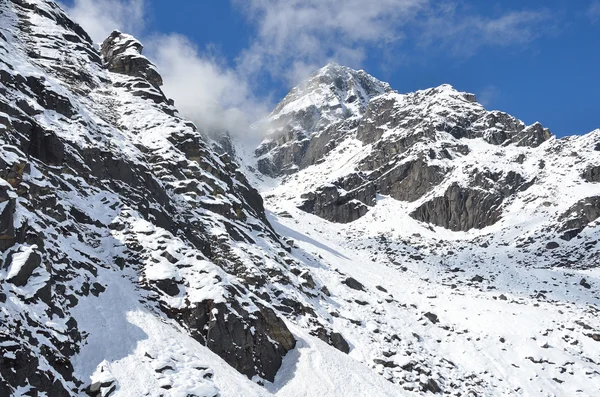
{"type": "Point", "coordinates": [122, 53]}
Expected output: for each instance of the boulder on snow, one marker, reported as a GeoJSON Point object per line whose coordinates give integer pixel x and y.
{"type": "Point", "coordinates": [354, 284]}
{"type": "Point", "coordinates": [22, 264]}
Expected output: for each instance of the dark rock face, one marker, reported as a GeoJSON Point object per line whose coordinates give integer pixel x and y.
{"type": "Point", "coordinates": [241, 341]}
{"type": "Point", "coordinates": [462, 209]}
{"type": "Point", "coordinates": [576, 218]}
{"type": "Point", "coordinates": [23, 368]}
{"type": "Point", "coordinates": [122, 54]}
{"type": "Point", "coordinates": [410, 181]}
{"type": "Point", "coordinates": [328, 203]}
{"type": "Point", "coordinates": [591, 174]}
{"type": "Point", "coordinates": [82, 182]}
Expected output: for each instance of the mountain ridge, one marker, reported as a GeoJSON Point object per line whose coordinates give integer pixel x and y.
{"type": "Point", "coordinates": [138, 261]}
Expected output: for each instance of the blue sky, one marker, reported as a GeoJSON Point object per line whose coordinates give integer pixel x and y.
{"type": "Point", "coordinates": [537, 60]}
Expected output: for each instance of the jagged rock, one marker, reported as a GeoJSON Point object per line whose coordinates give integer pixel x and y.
{"type": "Point", "coordinates": [578, 216]}
{"type": "Point", "coordinates": [460, 209]}
{"type": "Point", "coordinates": [477, 279]}
{"type": "Point", "coordinates": [22, 369]}
{"type": "Point", "coordinates": [591, 174]}
{"type": "Point", "coordinates": [410, 181]}
{"type": "Point", "coordinates": [22, 265]}
{"type": "Point", "coordinates": [122, 54]}
{"type": "Point", "coordinates": [228, 334]}
{"type": "Point", "coordinates": [338, 341]}
{"type": "Point", "coordinates": [432, 386]}
{"type": "Point", "coordinates": [432, 317]}
{"type": "Point", "coordinates": [385, 363]}
{"type": "Point", "coordinates": [583, 282]}
{"type": "Point", "coordinates": [328, 203]}
{"type": "Point", "coordinates": [7, 210]}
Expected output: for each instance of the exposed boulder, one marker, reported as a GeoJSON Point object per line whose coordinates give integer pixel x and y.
{"type": "Point", "coordinates": [578, 216]}
{"type": "Point", "coordinates": [354, 284]}
{"type": "Point", "coordinates": [591, 174]}
{"type": "Point", "coordinates": [254, 343]}
{"type": "Point", "coordinates": [122, 53]}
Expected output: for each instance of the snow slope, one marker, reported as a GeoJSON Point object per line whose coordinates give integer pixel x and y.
{"type": "Point", "coordinates": [508, 307]}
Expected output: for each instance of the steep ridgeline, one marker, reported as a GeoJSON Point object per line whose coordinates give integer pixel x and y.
{"type": "Point", "coordinates": [454, 164]}
{"type": "Point", "coordinates": [128, 246]}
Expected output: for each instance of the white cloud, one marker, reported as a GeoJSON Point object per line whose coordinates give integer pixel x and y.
{"type": "Point", "coordinates": [293, 38]}
{"type": "Point", "coordinates": [593, 11]}
{"type": "Point", "coordinates": [297, 36]}
{"type": "Point", "coordinates": [212, 95]}
{"type": "Point", "coordinates": [488, 95]}
{"type": "Point", "coordinates": [464, 33]}
{"type": "Point", "coordinates": [100, 17]}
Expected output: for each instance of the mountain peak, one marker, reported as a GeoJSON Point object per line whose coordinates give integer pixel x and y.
{"type": "Point", "coordinates": [332, 93]}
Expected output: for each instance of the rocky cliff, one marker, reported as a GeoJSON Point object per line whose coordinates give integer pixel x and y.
{"type": "Point", "coordinates": [102, 180]}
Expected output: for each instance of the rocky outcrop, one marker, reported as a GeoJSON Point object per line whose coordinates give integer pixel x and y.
{"type": "Point", "coordinates": [578, 217]}
{"type": "Point", "coordinates": [476, 206]}
{"type": "Point", "coordinates": [251, 342]}
{"type": "Point", "coordinates": [591, 174]}
{"type": "Point", "coordinates": [122, 54]}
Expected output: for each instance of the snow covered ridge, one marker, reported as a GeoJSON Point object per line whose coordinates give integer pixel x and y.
{"type": "Point", "coordinates": [134, 259]}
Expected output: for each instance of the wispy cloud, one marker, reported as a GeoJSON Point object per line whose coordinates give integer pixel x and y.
{"type": "Point", "coordinates": [295, 37]}
{"type": "Point", "coordinates": [488, 95]}
{"type": "Point", "coordinates": [593, 11]}
{"type": "Point", "coordinates": [100, 17]}
{"type": "Point", "coordinates": [292, 38]}
{"type": "Point", "coordinates": [465, 33]}
{"type": "Point", "coordinates": [205, 90]}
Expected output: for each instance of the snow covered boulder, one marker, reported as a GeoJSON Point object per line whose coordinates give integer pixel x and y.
{"type": "Point", "coordinates": [22, 265]}
{"type": "Point", "coordinates": [122, 54]}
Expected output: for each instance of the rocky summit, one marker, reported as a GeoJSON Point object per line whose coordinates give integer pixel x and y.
{"type": "Point", "coordinates": [374, 244]}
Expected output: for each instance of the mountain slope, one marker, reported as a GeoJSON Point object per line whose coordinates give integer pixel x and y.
{"type": "Point", "coordinates": [130, 250]}
{"type": "Point", "coordinates": [483, 228]}
{"type": "Point", "coordinates": [137, 261]}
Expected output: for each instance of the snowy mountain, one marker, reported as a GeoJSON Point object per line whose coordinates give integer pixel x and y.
{"type": "Point", "coordinates": [484, 229]}
{"type": "Point", "coordinates": [407, 244]}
